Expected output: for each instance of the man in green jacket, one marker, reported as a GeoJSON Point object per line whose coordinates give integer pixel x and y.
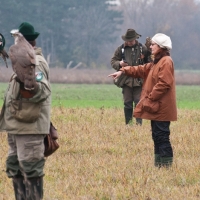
{"type": "Point", "coordinates": [130, 53]}
{"type": "Point", "coordinates": [25, 116]}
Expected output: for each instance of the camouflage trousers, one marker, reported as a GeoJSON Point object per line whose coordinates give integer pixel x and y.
{"type": "Point", "coordinates": [25, 155]}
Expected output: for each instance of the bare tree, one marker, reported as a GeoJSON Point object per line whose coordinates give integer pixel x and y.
{"type": "Point", "coordinates": [177, 18]}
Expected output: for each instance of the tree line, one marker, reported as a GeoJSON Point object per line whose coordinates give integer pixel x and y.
{"type": "Point", "coordinates": [85, 33]}
{"type": "Point", "coordinates": [178, 18]}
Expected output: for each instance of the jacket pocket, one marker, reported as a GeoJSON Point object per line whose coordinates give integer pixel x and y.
{"type": "Point", "coordinates": [33, 149]}
{"type": "Point", "coordinates": [24, 110]}
{"type": "Point", "coordinates": [150, 106]}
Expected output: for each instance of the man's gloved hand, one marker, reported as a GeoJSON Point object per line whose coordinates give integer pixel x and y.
{"type": "Point", "coordinates": [27, 93]}
{"type": "Point", "coordinates": [18, 80]}
{"type": "Point", "coordinates": [36, 86]}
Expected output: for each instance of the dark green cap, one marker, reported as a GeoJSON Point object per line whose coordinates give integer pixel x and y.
{"type": "Point", "coordinates": [28, 31]}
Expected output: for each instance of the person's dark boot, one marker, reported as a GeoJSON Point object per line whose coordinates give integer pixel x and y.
{"type": "Point", "coordinates": [19, 188]}
{"type": "Point", "coordinates": [34, 188]}
{"type": "Point", "coordinates": [157, 160]}
{"type": "Point", "coordinates": [139, 121]}
{"type": "Point", "coordinates": [128, 113]}
{"type": "Point", "coordinates": [166, 161]}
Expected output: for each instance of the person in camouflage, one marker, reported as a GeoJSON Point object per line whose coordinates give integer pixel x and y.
{"type": "Point", "coordinates": [25, 116]}
{"type": "Point", "coordinates": [130, 53]}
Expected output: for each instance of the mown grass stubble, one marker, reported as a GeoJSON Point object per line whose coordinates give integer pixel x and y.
{"type": "Point", "coordinates": [101, 158]}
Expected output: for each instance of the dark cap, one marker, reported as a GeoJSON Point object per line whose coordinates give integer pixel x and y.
{"type": "Point", "coordinates": [28, 31]}
{"type": "Point", "coordinates": [130, 35]}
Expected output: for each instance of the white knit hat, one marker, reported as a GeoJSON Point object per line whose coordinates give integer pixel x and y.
{"type": "Point", "coordinates": [162, 40]}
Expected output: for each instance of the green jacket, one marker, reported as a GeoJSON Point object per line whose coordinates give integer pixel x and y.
{"type": "Point", "coordinates": [34, 112]}
{"type": "Point", "coordinates": [135, 55]}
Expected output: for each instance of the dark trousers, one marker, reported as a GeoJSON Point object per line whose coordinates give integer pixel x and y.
{"type": "Point", "coordinates": [160, 136]}
{"type": "Point", "coordinates": [131, 96]}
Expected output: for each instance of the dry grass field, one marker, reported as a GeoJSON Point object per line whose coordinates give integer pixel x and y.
{"type": "Point", "coordinates": [102, 159]}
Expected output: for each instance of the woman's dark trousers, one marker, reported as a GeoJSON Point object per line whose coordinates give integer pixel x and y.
{"type": "Point", "coordinates": [162, 146]}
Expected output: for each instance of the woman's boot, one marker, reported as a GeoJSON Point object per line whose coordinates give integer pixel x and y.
{"type": "Point", "coordinates": [157, 160]}
{"type": "Point", "coordinates": [166, 161]}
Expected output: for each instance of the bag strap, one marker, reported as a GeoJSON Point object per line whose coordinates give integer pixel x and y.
{"type": "Point", "coordinates": [141, 59]}
{"type": "Point", "coordinates": [122, 50]}
{"type": "Point", "coordinates": [140, 53]}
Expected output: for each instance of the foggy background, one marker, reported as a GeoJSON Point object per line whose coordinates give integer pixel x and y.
{"type": "Point", "coordinates": [85, 33]}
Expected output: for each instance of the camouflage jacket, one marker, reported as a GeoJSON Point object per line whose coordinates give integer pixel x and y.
{"type": "Point", "coordinates": [28, 115]}
{"type": "Point", "coordinates": [135, 55]}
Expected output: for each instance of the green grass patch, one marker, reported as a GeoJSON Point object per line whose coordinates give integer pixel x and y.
{"type": "Point", "coordinates": [86, 95]}
{"type": "Point", "coordinates": [107, 96]}
{"type": "Point", "coordinates": [188, 97]}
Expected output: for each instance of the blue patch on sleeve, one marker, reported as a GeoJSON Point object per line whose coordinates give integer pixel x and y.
{"type": "Point", "coordinates": [38, 76]}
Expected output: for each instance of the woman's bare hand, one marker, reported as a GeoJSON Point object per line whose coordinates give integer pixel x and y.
{"type": "Point", "coordinates": [115, 75]}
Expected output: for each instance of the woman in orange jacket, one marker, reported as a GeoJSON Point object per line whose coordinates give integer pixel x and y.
{"type": "Point", "coordinates": [158, 98]}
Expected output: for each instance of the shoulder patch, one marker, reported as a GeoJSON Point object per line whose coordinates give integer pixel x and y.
{"type": "Point", "coordinates": [38, 76]}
